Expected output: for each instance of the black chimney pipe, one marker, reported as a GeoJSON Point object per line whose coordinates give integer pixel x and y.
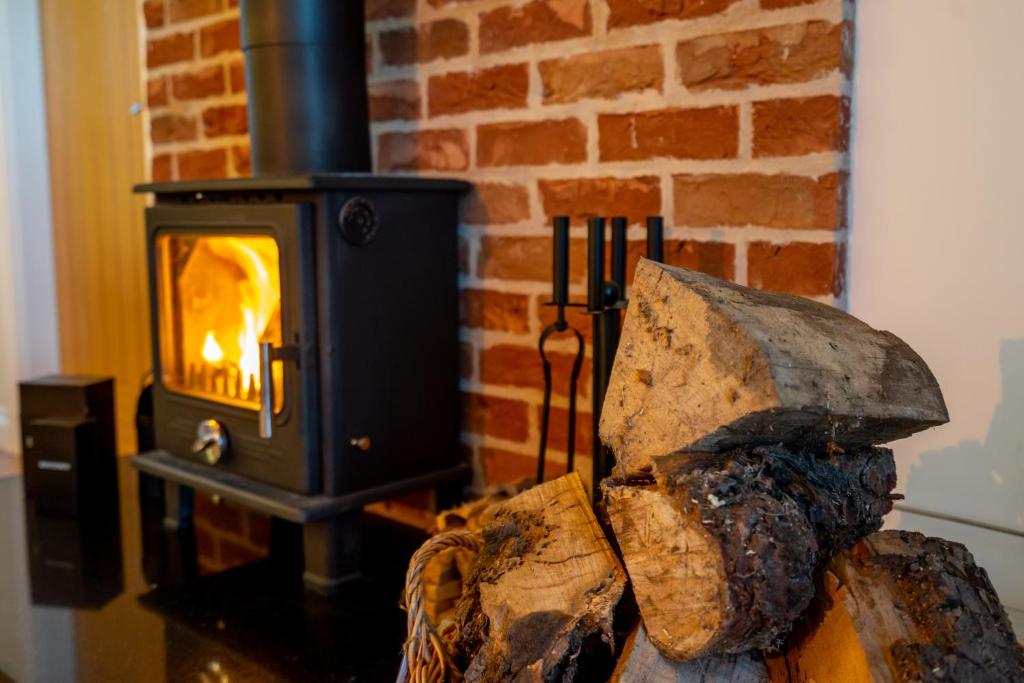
{"type": "Point", "coordinates": [305, 69]}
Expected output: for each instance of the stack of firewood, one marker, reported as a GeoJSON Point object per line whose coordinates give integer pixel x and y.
{"type": "Point", "coordinates": [737, 539]}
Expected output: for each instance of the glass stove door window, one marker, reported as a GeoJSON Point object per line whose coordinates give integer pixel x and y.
{"type": "Point", "coordinates": [219, 297]}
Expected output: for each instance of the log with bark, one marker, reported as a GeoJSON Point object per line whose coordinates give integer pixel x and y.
{"type": "Point", "coordinates": [901, 606]}
{"type": "Point", "coordinates": [640, 662]}
{"type": "Point", "coordinates": [721, 549]}
{"type": "Point", "coordinates": [706, 365]}
{"type": "Point", "coordinates": [543, 590]}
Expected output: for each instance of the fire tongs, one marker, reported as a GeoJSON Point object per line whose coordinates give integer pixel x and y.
{"type": "Point", "coordinates": [560, 300]}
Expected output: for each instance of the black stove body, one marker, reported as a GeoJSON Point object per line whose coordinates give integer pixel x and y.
{"type": "Point", "coordinates": [364, 402]}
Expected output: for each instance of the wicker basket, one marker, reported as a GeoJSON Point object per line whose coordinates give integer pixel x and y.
{"type": "Point", "coordinates": [427, 656]}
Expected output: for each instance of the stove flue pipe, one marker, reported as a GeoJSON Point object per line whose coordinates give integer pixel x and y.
{"type": "Point", "coordinates": [305, 70]}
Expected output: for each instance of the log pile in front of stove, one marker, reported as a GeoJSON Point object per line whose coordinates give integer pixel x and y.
{"type": "Point", "coordinates": [738, 536]}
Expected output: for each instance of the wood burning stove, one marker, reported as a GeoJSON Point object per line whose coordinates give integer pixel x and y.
{"type": "Point", "coordinates": [305, 325]}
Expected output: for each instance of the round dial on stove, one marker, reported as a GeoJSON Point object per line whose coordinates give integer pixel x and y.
{"type": "Point", "coordinates": [358, 221]}
{"type": "Point", "coordinates": [211, 442]}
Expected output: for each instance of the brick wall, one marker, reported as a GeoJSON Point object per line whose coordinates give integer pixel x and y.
{"type": "Point", "coordinates": [730, 117]}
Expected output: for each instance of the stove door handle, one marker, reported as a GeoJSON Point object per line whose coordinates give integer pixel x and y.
{"type": "Point", "coordinates": [266, 418]}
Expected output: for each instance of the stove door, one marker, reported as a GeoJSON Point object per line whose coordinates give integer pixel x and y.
{"type": "Point", "coordinates": [234, 330]}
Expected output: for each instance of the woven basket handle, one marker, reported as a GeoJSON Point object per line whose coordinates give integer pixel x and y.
{"type": "Point", "coordinates": [427, 657]}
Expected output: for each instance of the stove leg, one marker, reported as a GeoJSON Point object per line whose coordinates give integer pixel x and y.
{"type": "Point", "coordinates": [177, 506]}
{"type": "Point", "coordinates": [331, 548]}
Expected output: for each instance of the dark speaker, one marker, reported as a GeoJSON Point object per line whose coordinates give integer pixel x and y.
{"type": "Point", "coordinates": [70, 451]}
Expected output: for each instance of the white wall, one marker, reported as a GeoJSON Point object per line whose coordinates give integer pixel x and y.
{"type": "Point", "coordinates": [937, 249]}
{"type": "Point", "coordinates": [28, 309]}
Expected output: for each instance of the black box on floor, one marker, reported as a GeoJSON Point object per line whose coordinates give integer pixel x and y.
{"type": "Point", "coordinates": [70, 453]}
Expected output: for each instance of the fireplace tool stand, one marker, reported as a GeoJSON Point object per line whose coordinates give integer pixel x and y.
{"type": "Point", "coordinates": [605, 302]}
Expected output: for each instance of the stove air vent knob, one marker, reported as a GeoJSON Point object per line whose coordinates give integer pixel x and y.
{"type": "Point", "coordinates": [211, 442]}
{"type": "Point", "coordinates": [358, 221]}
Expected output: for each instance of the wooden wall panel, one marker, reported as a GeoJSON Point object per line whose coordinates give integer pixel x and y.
{"type": "Point", "coordinates": [93, 76]}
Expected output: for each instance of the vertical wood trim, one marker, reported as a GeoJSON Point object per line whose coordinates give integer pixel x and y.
{"type": "Point", "coordinates": [92, 61]}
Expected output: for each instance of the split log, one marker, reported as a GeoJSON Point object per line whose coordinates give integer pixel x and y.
{"type": "Point", "coordinates": [641, 662]}
{"type": "Point", "coordinates": [543, 589]}
{"type": "Point", "coordinates": [901, 606]}
{"type": "Point", "coordinates": [721, 549]}
{"type": "Point", "coordinates": [707, 365]}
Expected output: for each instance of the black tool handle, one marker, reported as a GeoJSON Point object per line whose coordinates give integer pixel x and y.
{"type": "Point", "coordinates": [619, 253]}
{"type": "Point", "coordinates": [656, 238]}
{"type": "Point", "coordinates": [595, 263]}
{"type": "Point", "coordinates": [560, 262]}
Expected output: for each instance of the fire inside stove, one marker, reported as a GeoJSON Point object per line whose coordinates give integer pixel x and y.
{"type": "Point", "coordinates": [220, 297]}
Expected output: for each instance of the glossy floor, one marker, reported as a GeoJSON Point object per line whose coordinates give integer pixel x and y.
{"type": "Point", "coordinates": [116, 598]}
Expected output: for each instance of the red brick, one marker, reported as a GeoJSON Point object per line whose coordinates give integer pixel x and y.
{"type": "Point", "coordinates": [228, 120]}
{"type": "Point", "coordinates": [437, 150]}
{"type": "Point", "coordinates": [520, 366]}
{"type": "Point", "coordinates": [198, 84]}
{"type": "Point", "coordinates": [395, 100]}
{"type": "Point", "coordinates": [154, 13]}
{"type": "Point", "coordinates": [442, 39]}
{"type": "Point", "coordinates": [801, 126]}
{"type": "Point", "coordinates": [156, 92]}
{"type": "Point", "coordinates": [234, 554]}
{"type": "Point", "coordinates": [222, 516]}
{"type": "Point", "coordinates": [632, 12]}
{"type": "Point", "coordinates": [495, 204]}
{"type": "Point", "coordinates": [206, 547]}
{"type": "Point", "coordinates": [525, 258]}
{"type": "Point", "coordinates": [384, 9]}
{"type": "Point", "coordinates": [500, 87]}
{"type": "Point", "coordinates": [780, 54]}
{"type": "Point", "coordinates": [210, 163]}
{"type": "Point", "coordinates": [583, 198]}
{"type": "Point", "coordinates": [714, 258]}
{"type": "Point", "coordinates": [711, 133]}
{"type": "Point", "coordinates": [183, 10]}
{"type": "Point", "coordinates": [172, 128]}
{"type": "Point", "coordinates": [466, 357]}
{"type": "Point", "coordinates": [538, 21]}
{"type": "Point", "coordinates": [531, 143]}
{"type": "Point", "coordinates": [774, 201]}
{"type": "Point", "coordinates": [779, 4]}
{"type": "Point", "coordinates": [222, 36]}
{"type": "Point", "coordinates": [236, 73]}
{"type": "Point", "coordinates": [501, 418]}
{"type": "Point", "coordinates": [558, 429]}
{"type": "Point", "coordinates": [490, 310]}
{"type": "Point", "coordinates": [160, 168]}
{"type": "Point", "coordinates": [506, 467]}
{"type": "Point", "coordinates": [177, 47]}
{"type": "Point", "coordinates": [258, 527]}
{"type": "Point", "coordinates": [796, 268]}
{"type": "Point", "coordinates": [602, 74]}
{"type": "Point", "coordinates": [241, 160]}
{"type": "Point", "coordinates": [575, 317]}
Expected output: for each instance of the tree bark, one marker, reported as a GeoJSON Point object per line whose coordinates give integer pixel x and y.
{"type": "Point", "coordinates": [901, 606]}
{"type": "Point", "coordinates": [721, 549]}
{"type": "Point", "coordinates": [641, 662]}
{"type": "Point", "coordinates": [543, 589]}
{"type": "Point", "coordinates": [707, 365]}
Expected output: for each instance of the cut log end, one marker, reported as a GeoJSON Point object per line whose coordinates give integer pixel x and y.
{"type": "Point", "coordinates": [704, 364]}
{"type": "Point", "coordinates": [721, 549]}
{"type": "Point", "coordinates": [641, 662]}
{"type": "Point", "coordinates": [900, 606]}
{"type": "Point", "coordinates": [544, 588]}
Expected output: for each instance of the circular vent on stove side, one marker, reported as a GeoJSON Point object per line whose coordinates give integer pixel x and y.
{"type": "Point", "coordinates": [358, 221]}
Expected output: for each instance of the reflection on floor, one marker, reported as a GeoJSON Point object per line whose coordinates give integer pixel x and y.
{"type": "Point", "coordinates": [10, 465]}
